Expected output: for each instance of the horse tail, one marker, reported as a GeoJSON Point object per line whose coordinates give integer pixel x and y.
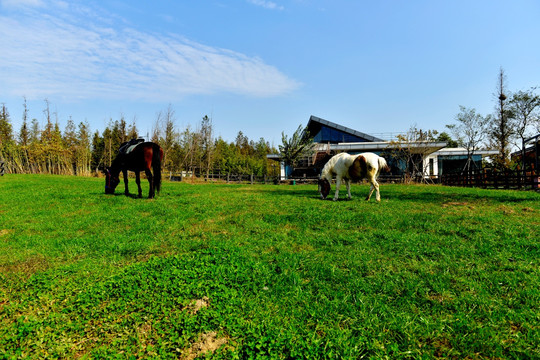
{"type": "Point", "coordinates": [383, 166]}
{"type": "Point", "coordinates": [157, 157]}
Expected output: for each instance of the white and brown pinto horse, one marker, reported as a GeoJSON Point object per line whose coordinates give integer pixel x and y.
{"type": "Point", "coordinates": [352, 167]}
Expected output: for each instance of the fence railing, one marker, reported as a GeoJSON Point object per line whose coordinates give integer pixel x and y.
{"type": "Point", "coordinates": [493, 179]}
{"type": "Point", "coordinates": [228, 178]}
{"type": "Point", "coordinates": [267, 179]}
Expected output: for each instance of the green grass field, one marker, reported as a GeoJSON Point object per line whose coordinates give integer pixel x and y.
{"type": "Point", "coordinates": [266, 271]}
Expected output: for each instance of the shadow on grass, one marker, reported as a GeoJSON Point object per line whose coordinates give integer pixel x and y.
{"type": "Point", "coordinates": [416, 193]}
{"type": "Point", "coordinates": [118, 194]}
{"type": "Point", "coordinates": [446, 194]}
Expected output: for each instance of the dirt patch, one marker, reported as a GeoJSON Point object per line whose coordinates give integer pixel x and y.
{"type": "Point", "coordinates": [454, 203]}
{"type": "Point", "coordinates": [196, 305]}
{"type": "Point", "coordinates": [144, 333]}
{"type": "Point", "coordinates": [4, 232]}
{"type": "Point", "coordinates": [29, 265]}
{"type": "Point", "coordinates": [507, 210]}
{"type": "Point", "coordinates": [439, 298]}
{"type": "Point", "coordinates": [208, 342]}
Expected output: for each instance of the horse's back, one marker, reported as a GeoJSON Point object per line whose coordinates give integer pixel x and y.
{"type": "Point", "coordinates": [376, 162]}
{"type": "Point", "coordinates": [355, 167]}
{"type": "Point", "coordinates": [339, 163]}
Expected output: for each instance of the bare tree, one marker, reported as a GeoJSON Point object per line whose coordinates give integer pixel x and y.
{"type": "Point", "coordinates": [470, 131]}
{"type": "Point", "coordinates": [164, 133]}
{"type": "Point", "coordinates": [207, 143]}
{"type": "Point", "coordinates": [410, 149]}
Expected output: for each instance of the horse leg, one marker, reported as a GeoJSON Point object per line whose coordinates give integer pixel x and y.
{"type": "Point", "coordinates": [374, 186]}
{"type": "Point", "coordinates": [370, 192]}
{"type": "Point", "coordinates": [124, 172]}
{"type": "Point", "coordinates": [377, 194]}
{"type": "Point", "coordinates": [138, 181]}
{"type": "Point", "coordinates": [338, 184]}
{"type": "Point", "coordinates": [150, 182]}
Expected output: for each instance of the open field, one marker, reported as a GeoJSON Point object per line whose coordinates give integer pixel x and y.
{"type": "Point", "coordinates": [266, 271]}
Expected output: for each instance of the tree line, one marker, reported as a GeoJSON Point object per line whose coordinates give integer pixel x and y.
{"type": "Point", "coordinates": [516, 117]}
{"type": "Point", "coordinates": [48, 149]}
{"type": "Point", "coordinates": [75, 150]}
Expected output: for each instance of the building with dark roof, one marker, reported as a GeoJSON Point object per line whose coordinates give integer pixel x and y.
{"type": "Point", "coordinates": [324, 131]}
{"type": "Point", "coordinates": [331, 138]}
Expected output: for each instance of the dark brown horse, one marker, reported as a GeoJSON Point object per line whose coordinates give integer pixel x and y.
{"type": "Point", "coordinates": [145, 157]}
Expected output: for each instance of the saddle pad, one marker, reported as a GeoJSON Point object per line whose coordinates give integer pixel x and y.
{"type": "Point", "coordinates": [131, 148]}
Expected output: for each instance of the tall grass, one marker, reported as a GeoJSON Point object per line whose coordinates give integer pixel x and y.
{"type": "Point", "coordinates": [266, 271]}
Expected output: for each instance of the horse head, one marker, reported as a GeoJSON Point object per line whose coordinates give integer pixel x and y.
{"type": "Point", "coordinates": [324, 187]}
{"type": "Point", "coordinates": [111, 181]}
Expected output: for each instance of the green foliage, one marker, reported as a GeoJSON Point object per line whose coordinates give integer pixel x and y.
{"type": "Point", "coordinates": [525, 108]}
{"type": "Point", "coordinates": [429, 272]}
{"type": "Point", "coordinates": [75, 151]}
{"type": "Point", "coordinates": [297, 147]}
{"type": "Point", "coordinates": [445, 137]}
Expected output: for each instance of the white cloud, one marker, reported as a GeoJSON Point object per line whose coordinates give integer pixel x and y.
{"type": "Point", "coordinates": [21, 3]}
{"type": "Point", "coordinates": [66, 56]}
{"type": "Point", "coordinates": [267, 4]}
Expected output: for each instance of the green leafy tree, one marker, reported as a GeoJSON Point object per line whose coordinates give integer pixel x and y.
{"type": "Point", "coordinates": [6, 139]}
{"type": "Point", "coordinates": [6, 129]}
{"type": "Point", "coordinates": [82, 148]}
{"type": "Point", "coordinates": [298, 146]}
{"type": "Point", "coordinates": [525, 105]}
{"type": "Point", "coordinates": [445, 137]}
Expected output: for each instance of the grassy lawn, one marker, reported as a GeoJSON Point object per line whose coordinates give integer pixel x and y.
{"type": "Point", "coordinates": [266, 271]}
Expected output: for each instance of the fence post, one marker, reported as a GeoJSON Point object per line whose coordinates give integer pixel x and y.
{"type": "Point", "coordinates": [251, 179]}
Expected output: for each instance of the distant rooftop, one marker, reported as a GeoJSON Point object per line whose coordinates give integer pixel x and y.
{"type": "Point", "coordinates": [316, 123]}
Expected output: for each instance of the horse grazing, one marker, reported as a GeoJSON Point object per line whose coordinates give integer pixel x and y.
{"type": "Point", "coordinates": [352, 167]}
{"type": "Point", "coordinates": [145, 156]}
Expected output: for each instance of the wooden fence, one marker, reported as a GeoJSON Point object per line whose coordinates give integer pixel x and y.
{"type": "Point", "coordinates": [228, 178]}
{"type": "Point", "coordinates": [267, 179]}
{"type": "Point", "coordinates": [493, 179]}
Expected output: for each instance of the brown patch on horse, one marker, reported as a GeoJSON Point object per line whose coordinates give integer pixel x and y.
{"type": "Point", "coordinates": [358, 169]}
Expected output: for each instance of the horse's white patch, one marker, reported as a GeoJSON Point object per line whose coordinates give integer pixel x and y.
{"type": "Point", "coordinates": [340, 166]}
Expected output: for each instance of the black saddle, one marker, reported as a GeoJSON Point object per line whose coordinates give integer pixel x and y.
{"type": "Point", "coordinates": [126, 145]}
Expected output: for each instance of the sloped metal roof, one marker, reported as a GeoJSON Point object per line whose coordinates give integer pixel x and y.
{"type": "Point", "coordinates": [342, 128]}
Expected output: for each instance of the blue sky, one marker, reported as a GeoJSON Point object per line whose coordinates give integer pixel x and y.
{"type": "Point", "coordinates": [263, 67]}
